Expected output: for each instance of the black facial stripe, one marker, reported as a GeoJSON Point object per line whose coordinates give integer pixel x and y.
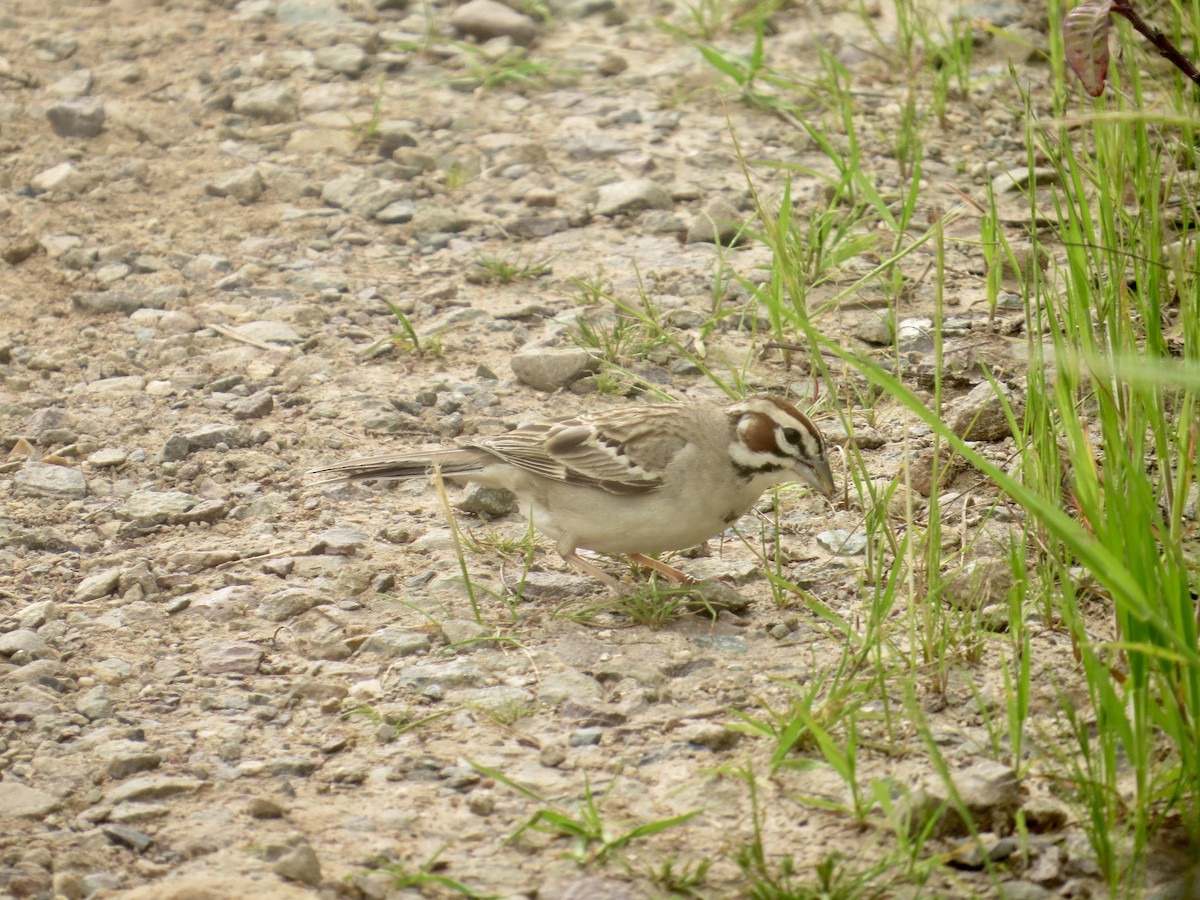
{"type": "Point", "coordinates": [747, 472]}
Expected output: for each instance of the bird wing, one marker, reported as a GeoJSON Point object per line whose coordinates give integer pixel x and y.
{"type": "Point", "coordinates": [622, 451]}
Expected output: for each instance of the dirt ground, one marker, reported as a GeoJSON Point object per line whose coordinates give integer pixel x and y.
{"type": "Point", "coordinates": [217, 680]}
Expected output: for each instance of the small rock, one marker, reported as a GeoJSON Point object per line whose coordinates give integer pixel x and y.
{"type": "Point", "coordinates": [19, 250]}
{"type": "Point", "coordinates": [151, 787]}
{"type": "Point", "coordinates": [345, 59]}
{"type": "Point", "coordinates": [264, 808]}
{"type": "Point", "coordinates": [979, 416]}
{"type": "Point", "coordinates": [341, 540]}
{"type": "Point", "coordinates": [1044, 815]}
{"type": "Point", "coordinates": [243, 185]}
{"type": "Point", "coordinates": [270, 332]}
{"type": "Point", "coordinates": [487, 19]}
{"type": "Point", "coordinates": [22, 641]}
{"type": "Point", "coordinates": [149, 508]}
{"type": "Point", "coordinates": [612, 63]}
{"type": "Point", "coordinates": [710, 735]}
{"type": "Point", "coordinates": [840, 542]}
{"type": "Point", "coordinates": [35, 479]}
{"type": "Point", "coordinates": [63, 177]}
{"type": "Point", "coordinates": [268, 102]}
{"type": "Point", "coordinates": [363, 195]}
{"type": "Point", "coordinates": [395, 642]}
{"type": "Point", "coordinates": [914, 335]}
{"type": "Point", "coordinates": [991, 792]}
{"type": "Point", "coordinates": [107, 458]}
{"type": "Point", "coordinates": [207, 437]}
{"type": "Point", "coordinates": [486, 502]}
{"type": "Point", "coordinates": [128, 837]}
{"type": "Point", "coordinates": [257, 405]}
{"type": "Point", "coordinates": [77, 84]}
{"type": "Point", "coordinates": [983, 581]}
{"type": "Point", "coordinates": [101, 584]}
{"type": "Point", "coordinates": [299, 864]}
{"type": "Point", "coordinates": [552, 369]}
{"type": "Point", "coordinates": [555, 586]}
{"type": "Point", "coordinates": [224, 657]}
{"type": "Point", "coordinates": [19, 801]}
{"type": "Point", "coordinates": [631, 196]}
{"type": "Point", "coordinates": [81, 117]}
{"type": "Point", "coordinates": [717, 223]}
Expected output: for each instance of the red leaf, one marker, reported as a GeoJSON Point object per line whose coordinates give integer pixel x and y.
{"type": "Point", "coordinates": [1085, 40]}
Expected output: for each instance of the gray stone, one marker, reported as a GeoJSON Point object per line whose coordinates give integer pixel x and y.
{"type": "Point", "coordinates": [979, 416]}
{"type": "Point", "coordinates": [632, 196]}
{"type": "Point", "coordinates": [446, 675]}
{"type": "Point", "coordinates": [345, 59]}
{"type": "Point", "coordinates": [708, 734]}
{"type": "Point", "coordinates": [257, 405]}
{"type": "Point", "coordinates": [363, 195]}
{"type": "Point", "coordinates": [983, 581]}
{"type": "Point", "coordinates": [914, 335]}
{"type": "Point", "coordinates": [287, 604]}
{"type": "Point", "coordinates": [270, 332]}
{"type": "Point", "coordinates": [206, 437]}
{"type": "Point", "coordinates": [990, 791]}
{"type": "Point", "coordinates": [440, 220]}
{"type": "Point", "coordinates": [397, 213]}
{"type": "Point", "coordinates": [95, 586]}
{"type": "Point", "coordinates": [151, 787]}
{"type": "Point", "coordinates": [554, 586]}
{"type": "Point", "coordinates": [274, 102]}
{"type": "Point", "coordinates": [77, 84]}
{"type": "Point", "coordinates": [225, 657]}
{"type": "Point", "coordinates": [489, 503]}
{"type": "Point", "coordinates": [570, 684]}
{"type": "Point", "coordinates": [121, 384]}
{"type": "Point", "coordinates": [35, 479]}
{"type": "Point", "coordinates": [718, 222]}
{"type": "Point", "coordinates": [841, 542]}
{"type": "Point", "coordinates": [22, 640]}
{"type": "Point", "coordinates": [299, 864]}
{"type": "Point", "coordinates": [341, 540]}
{"type": "Point", "coordinates": [95, 704]}
{"type": "Point", "coordinates": [107, 458]}
{"type": "Point", "coordinates": [487, 19]}
{"type": "Point", "coordinates": [395, 642]}
{"type": "Point", "coordinates": [393, 135]}
{"type": "Point", "coordinates": [80, 117]}
{"type": "Point", "coordinates": [19, 801]}
{"type": "Point", "coordinates": [552, 369]}
{"type": "Point", "coordinates": [124, 765]}
{"type": "Point", "coordinates": [243, 185]}
{"type": "Point", "coordinates": [149, 508]}
{"type": "Point", "coordinates": [501, 699]}
{"type": "Point", "coordinates": [63, 177]}
{"type": "Point", "coordinates": [122, 301]}
{"type": "Point", "coordinates": [293, 12]}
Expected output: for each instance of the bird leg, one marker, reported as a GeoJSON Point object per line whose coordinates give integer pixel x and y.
{"type": "Point", "coordinates": [663, 569]}
{"type": "Point", "coordinates": [574, 559]}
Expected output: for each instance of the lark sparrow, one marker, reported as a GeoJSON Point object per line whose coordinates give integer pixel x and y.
{"type": "Point", "coordinates": [631, 480]}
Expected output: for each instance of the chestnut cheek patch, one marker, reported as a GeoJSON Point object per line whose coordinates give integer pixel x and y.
{"type": "Point", "coordinates": [758, 433]}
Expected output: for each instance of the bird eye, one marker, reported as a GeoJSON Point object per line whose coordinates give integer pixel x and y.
{"type": "Point", "coordinates": [791, 435]}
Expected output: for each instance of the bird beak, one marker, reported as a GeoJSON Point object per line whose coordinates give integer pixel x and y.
{"type": "Point", "coordinates": [818, 475]}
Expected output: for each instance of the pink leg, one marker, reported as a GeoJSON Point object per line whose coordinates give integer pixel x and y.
{"type": "Point", "coordinates": [662, 568]}
{"type": "Point", "coordinates": [570, 556]}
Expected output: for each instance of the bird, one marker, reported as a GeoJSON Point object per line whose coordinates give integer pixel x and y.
{"type": "Point", "coordinates": [629, 480]}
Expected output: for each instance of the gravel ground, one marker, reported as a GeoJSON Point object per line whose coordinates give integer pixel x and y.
{"type": "Point", "coordinates": [217, 680]}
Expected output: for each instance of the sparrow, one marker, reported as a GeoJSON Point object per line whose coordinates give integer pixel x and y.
{"type": "Point", "coordinates": [632, 480]}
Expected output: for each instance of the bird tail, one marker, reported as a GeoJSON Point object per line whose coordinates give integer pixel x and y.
{"type": "Point", "coordinates": [400, 465]}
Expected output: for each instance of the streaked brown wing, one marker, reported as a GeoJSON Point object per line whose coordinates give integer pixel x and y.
{"type": "Point", "coordinates": [619, 451]}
